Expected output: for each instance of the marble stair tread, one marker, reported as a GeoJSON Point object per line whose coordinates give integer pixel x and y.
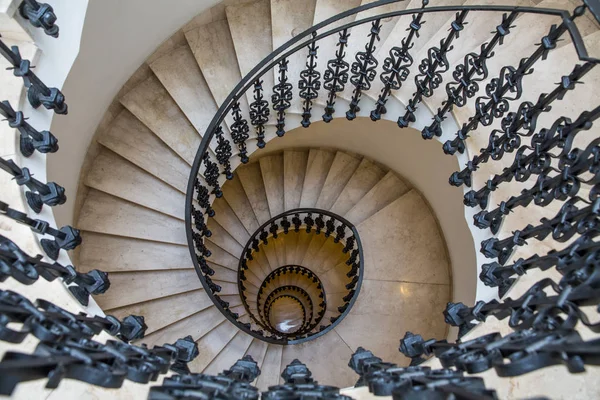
{"type": "Point", "coordinates": [211, 344]}
{"type": "Point", "coordinates": [252, 278]}
{"type": "Point", "coordinates": [132, 140]}
{"type": "Point", "coordinates": [222, 73]}
{"type": "Point", "coordinates": [328, 347]}
{"type": "Point", "coordinates": [525, 34]}
{"type": "Point", "coordinates": [342, 168]}
{"type": "Point", "coordinates": [103, 213]}
{"type": "Point", "coordinates": [366, 176]}
{"type": "Point", "coordinates": [304, 240]}
{"type": "Point", "coordinates": [137, 287]}
{"type": "Point", "coordinates": [257, 350]}
{"type": "Point", "coordinates": [289, 18]}
{"type": "Point", "coordinates": [319, 163]}
{"type": "Point", "coordinates": [119, 254]}
{"type": "Point", "coordinates": [271, 168]}
{"type": "Point", "coordinates": [403, 240]}
{"type": "Point", "coordinates": [223, 239]}
{"type": "Point", "coordinates": [294, 168]}
{"type": "Point", "coordinates": [260, 265]}
{"type": "Point", "coordinates": [234, 193]}
{"type": "Point", "coordinates": [234, 351]}
{"type": "Point", "coordinates": [111, 173]}
{"type": "Point", "coordinates": [335, 280]}
{"type": "Point", "coordinates": [161, 312]}
{"type": "Point", "coordinates": [251, 178]}
{"type": "Point", "coordinates": [271, 255]}
{"type": "Point", "coordinates": [388, 189]}
{"type": "Point", "coordinates": [222, 273]}
{"type": "Point", "coordinates": [180, 74]}
{"type": "Point", "coordinates": [310, 260]}
{"type": "Point", "coordinates": [151, 103]}
{"type": "Point", "coordinates": [291, 243]}
{"type": "Point", "coordinates": [250, 27]}
{"type": "Point", "coordinates": [271, 367]}
{"type": "Point", "coordinates": [328, 255]}
{"type": "Point", "coordinates": [197, 325]}
{"type": "Point", "coordinates": [394, 308]}
{"type": "Point", "coordinates": [442, 23]}
{"type": "Point", "coordinates": [229, 221]}
{"type": "Point", "coordinates": [220, 256]}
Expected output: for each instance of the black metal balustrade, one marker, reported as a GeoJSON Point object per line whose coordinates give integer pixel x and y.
{"type": "Point", "coordinates": [299, 295]}
{"type": "Point", "coordinates": [308, 220]}
{"type": "Point", "coordinates": [317, 311]}
{"type": "Point", "coordinates": [545, 318]}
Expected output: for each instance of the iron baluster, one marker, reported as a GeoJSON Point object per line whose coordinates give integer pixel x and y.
{"type": "Point", "coordinates": [396, 67]}
{"type": "Point", "coordinates": [336, 75]}
{"type": "Point", "coordinates": [203, 198]}
{"type": "Point", "coordinates": [508, 138]}
{"type": "Point", "coordinates": [431, 69]}
{"type": "Point", "coordinates": [259, 113]}
{"type": "Point", "coordinates": [240, 132]}
{"type": "Point", "coordinates": [282, 96]}
{"type": "Point", "coordinates": [468, 75]}
{"type": "Point", "coordinates": [364, 70]}
{"type": "Point", "coordinates": [496, 102]}
{"type": "Point", "coordinates": [512, 355]}
{"type": "Point", "coordinates": [561, 135]}
{"type": "Point", "coordinates": [535, 309]}
{"type": "Point", "coordinates": [223, 153]}
{"type": "Point", "coordinates": [309, 83]}
{"type": "Point", "coordinates": [17, 264]}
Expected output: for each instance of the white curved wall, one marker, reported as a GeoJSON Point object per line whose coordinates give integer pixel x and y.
{"type": "Point", "coordinates": [421, 162]}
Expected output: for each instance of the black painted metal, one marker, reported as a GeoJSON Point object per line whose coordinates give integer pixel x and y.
{"type": "Point", "coordinates": [38, 93]}
{"type": "Point", "coordinates": [17, 264]}
{"type": "Point", "coordinates": [280, 224]}
{"type": "Point", "coordinates": [39, 193]}
{"type": "Point", "coordinates": [40, 15]}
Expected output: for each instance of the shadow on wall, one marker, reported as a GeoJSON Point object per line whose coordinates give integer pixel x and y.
{"type": "Point", "coordinates": [422, 163]}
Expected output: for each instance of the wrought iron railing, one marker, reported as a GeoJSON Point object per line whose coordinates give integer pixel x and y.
{"type": "Point", "coordinates": [311, 317]}
{"type": "Point", "coordinates": [561, 168]}
{"type": "Point", "coordinates": [546, 323]}
{"type": "Point", "coordinates": [308, 220]}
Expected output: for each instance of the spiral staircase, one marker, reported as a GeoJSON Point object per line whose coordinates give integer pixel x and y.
{"type": "Point", "coordinates": [173, 301]}
{"type": "Point", "coordinates": [272, 215]}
